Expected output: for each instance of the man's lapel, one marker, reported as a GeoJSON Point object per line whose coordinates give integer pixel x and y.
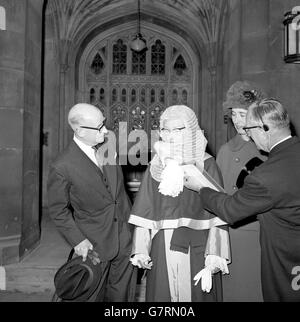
{"type": "Point", "coordinates": [90, 172]}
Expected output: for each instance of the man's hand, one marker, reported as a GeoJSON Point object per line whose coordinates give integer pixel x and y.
{"type": "Point", "coordinates": [192, 183]}
{"type": "Point", "coordinates": [82, 249]}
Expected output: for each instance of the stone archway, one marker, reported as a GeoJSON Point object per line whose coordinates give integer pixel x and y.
{"type": "Point", "coordinates": [69, 31]}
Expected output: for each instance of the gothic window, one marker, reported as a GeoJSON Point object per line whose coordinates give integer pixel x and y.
{"type": "Point", "coordinates": [152, 96]}
{"type": "Point", "coordinates": [143, 96]}
{"type": "Point", "coordinates": [2, 18]}
{"type": "Point", "coordinates": [138, 63]}
{"type": "Point", "coordinates": [158, 55]}
{"type": "Point", "coordinates": [114, 96]}
{"type": "Point", "coordinates": [180, 65]}
{"type": "Point", "coordinates": [119, 58]}
{"type": "Point", "coordinates": [135, 87]}
{"type": "Point", "coordinates": [92, 95]}
{"type": "Point", "coordinates": [174, 97]}
{"type": "Point", "coordinates": [123, 95]}
{"type": "Point", "coordinates": [184, 97]}
{"type": "Point", "coordinates": [102, 95]}
{"type": "Point", "coordinates": [97, 64]}
{"type": "Point", "coordinates": [133, 96]}
{"type": "Point", "coordinates": [162, 96]}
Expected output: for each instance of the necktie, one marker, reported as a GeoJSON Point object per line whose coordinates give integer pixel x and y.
{"type": "Point", "coordinates": [95, 148]}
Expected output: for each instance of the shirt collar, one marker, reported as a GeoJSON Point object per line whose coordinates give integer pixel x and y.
{"type": "Point", "coordinates": [286, 138]}
{"type": "Point", "coordinates": [87, 149]}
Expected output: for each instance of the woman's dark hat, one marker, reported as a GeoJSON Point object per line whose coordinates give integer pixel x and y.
{"type": "Point", "coordinates": [242, 94]}
{"type": "Point", "coordinates": [77, 280]}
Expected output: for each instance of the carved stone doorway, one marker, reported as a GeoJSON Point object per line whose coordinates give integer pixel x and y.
{"type": "Point", "coordinates": [136, 87]}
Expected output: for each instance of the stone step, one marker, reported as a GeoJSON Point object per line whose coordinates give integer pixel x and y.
{"type": "Point", "coordinates": [30, 279]}
{"type": "Point", "coordinates": [35, 273]}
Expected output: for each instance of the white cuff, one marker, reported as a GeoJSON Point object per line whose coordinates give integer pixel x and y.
{"type": "Point", "coordinates": [216, 263]}
{"type": "Point", "coordinates": [139, 258]}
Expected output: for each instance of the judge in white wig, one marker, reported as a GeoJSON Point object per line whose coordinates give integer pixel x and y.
{"type": "Point", "coordinates": [184, 248]}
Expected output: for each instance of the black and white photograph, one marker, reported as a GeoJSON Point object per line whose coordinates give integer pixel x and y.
{"type": "Point", "coordinates": [149, 154]}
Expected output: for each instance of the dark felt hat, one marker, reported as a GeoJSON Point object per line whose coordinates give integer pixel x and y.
{"type": "Point", "coordinates": [242, 94]}
{"type": "Point", "coordinates": [77, 280]}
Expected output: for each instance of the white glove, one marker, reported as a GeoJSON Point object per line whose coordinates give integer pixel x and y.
{"type": "Point", "coordinates": [142, 261]}
{"type": "Point", "coordinates": [206, 282]}
{"type": "Point", "coordinates": [213, 264]}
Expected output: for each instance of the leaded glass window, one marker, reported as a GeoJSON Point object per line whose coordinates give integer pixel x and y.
{"type": "Point", "coordinates": [102, 95]}
{"type": "Point", "coordinates": [114, 96]}
{"type": "Point", "coordinates": [143, 95]}
{"type": "Point", "coordinates": [92, 95]}
{"type": "Point", "coordinates": [133, 96]}
{"type": "Point", "coordinates": [97, 65]}
{"type": "Point", "coordinates": [158, 55]}
{"type": "Point", "coordinates": [162, 96]}
{"type": "Point", "coordinates": [180, 65]}
{"type": "Point", "coordinates": [138, 85]}
{"type": "Point", "coordinates": [138, 63]}
{"type": "Point", "coordinates": [123, 95]}
{"type": "Point", "coordinates": [152, 96]}
{"type": "Point", "coordinates": [184, 97]}
{"type": "Point", "coordinates": [174, 96]}
{"type": "Point", "coordinates": [119, 58]}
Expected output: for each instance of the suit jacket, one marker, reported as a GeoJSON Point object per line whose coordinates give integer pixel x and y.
{"type": "Point", "coordinates": [272, 190]}
{"type": "Point", "coordinates": [86, 203]}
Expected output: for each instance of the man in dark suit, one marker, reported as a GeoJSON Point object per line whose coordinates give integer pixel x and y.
{"type": "Point", "coordinates": [272, 191]}
{"type": "Point", "coordinates": [89, 205]}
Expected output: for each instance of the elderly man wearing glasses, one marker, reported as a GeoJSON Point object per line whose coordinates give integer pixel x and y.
{"type": "Point", "coordinates": [272, 192]}
{"type": "Point", "coordinates": [89, 205]}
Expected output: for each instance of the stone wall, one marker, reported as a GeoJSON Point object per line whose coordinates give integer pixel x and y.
{"type": "Point", "coordinates": [254, 51]}
{"type": "Point", "coordinates": [283, 79]}
{"type": "Point", "coordinates": [20, 105]}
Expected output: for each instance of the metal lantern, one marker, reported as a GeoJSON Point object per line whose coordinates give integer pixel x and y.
{"type": "Point", "coordinates": [292, 36]}
{"type": "Point", "coordinates": [138, 43]}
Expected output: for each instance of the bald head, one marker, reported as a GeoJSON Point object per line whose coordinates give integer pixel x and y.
{"type": "Point", "coordinates": [81, 113]}
{"type": "Point", "coordinates": [87, 122]}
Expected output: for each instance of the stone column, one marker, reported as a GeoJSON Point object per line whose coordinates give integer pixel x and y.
{"type": "Point", "coordinates": [20, 105]}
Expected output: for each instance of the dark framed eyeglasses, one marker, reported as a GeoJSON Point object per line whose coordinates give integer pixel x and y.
{"type": "Point", "coordinates": [94, 128]}
{"type": "Point", "coordinates": [167, 131]}
{"type": "Point", "coordinates": [247, 128]}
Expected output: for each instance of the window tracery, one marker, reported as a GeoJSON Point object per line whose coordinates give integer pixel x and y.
{"type": "Point", "coordinates": [97, 65]}
{"type": "Point", "coordinates": [120, 58]}
{"type": "Point", "coordinates": [180, 65]}
{"type": "Point", "coordinates": [137, 87]}
{"type": "Point", "coordinates": [158, 57]}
